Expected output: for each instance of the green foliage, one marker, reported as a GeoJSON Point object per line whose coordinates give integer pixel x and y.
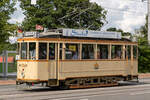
{"type": "Point", "coordinates": [6, 9]}
{"type": "Point", "coordinates": [7, 46]}
{"type": "Point", "coordinates": [144, 49]}
{"type": "Point", "coordinates": [119, 30]}
{"type": "Point", "coordinates": [144, 58]}
{"type": "Point", "coordinates": [63, 14]}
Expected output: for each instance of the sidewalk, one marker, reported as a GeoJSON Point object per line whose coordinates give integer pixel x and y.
{"type": "Point", "coordinates": [7, 82]}
{"type": "Point", "coordinates": [13, 81]}
{"type": "Point", "coordinates": [144, 75]}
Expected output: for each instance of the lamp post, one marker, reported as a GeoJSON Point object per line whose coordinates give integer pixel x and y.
{"type": "Point", "coordinates": [148, 10]}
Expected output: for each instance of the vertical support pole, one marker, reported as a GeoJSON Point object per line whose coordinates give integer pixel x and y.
{"type": "Point", "coordinates": [58, 63]}
{"type": "Point", "coordinates": [28, 50]}
{"type": "Point", "coordinates": [47, 51]}
{"type": "Point", "coordinates": [80, 54]}
{"type": "Point", "coordinates": [63, 51]}
{"type": "Point", "coordinates": [3, 63]}
{"type": "Point", "coordinates": [37, 50]}
{"type": "Point", "coordinates": [6, 70]}
{"type": "Point", "coordinates": [95, 51]}
{"type": "Point", "coordinates": [123, 50]}
{"type": "Point", "coordinates": [131, 52]}
{"type": "Point", "coordinates": [132, 65]}
{"type": "Point", "coordinates": [109, 51]}
{"type": "Point", "coordinates": [148, 8]}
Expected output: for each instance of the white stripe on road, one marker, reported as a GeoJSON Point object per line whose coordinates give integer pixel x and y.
{"type": "Point", "coordinates": [86, 92]}
{"type": "Point", "coordinates": [140, 93]}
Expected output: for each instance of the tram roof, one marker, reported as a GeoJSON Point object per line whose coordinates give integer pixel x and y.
{"type": "Point", "coordinates": [75, 33]}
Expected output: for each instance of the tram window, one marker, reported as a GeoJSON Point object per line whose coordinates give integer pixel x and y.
{"type": "Point", "coordinates": [52, 51]}
{"type": "Point", "coordinates": [87, 51]}
{"type": "Point", "coordinates": [116, 52]}
{"type": "Point", "coordinates": [71, 51]}
{"type": "Point", "coordinates": [129, 51]}
{"type": "Point", "coordinates": [23, 50]}
{"type": "Point", "coordinates": [42, 50]}
{"type": "Point", "coordinates": [61, 48]}
{"type": "Point", "coordinates": [135, 52]}
{"type": "Point", "coordinates": [102, 51]}
{"type": "Point", "coordinates": [32, 50]}
{"type": "Point", "coordinates": [18, 48]}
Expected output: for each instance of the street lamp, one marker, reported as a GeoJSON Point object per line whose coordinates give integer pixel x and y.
{"type": "Point", "coordinates": [148, 10]}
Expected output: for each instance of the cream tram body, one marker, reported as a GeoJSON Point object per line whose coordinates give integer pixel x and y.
{"type": "Point", "coordinates": [96, 61]}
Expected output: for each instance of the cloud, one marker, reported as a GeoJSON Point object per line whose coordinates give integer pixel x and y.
{"type": "Point", "coordinates": [125, 14]}
{"type": "Point", "coordinates": [18, 15]}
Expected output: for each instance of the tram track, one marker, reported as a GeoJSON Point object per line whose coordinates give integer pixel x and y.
{"type": "Point", "coordinates": [53, 94]}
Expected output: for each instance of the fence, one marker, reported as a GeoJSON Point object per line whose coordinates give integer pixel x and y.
{"type": "Point", "coordinates": [8, 65]}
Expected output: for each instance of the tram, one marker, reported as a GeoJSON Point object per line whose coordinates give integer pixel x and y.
{"type": "Point", "coordinates": [74, 58]}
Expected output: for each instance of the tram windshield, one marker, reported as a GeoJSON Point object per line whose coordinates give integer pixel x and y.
{"type": "Point", "coordinates": [23, 50]}
{"type": "Point", "coordinates": [32, 50]}
{"type": "Point", "coordinates": [27, 50]}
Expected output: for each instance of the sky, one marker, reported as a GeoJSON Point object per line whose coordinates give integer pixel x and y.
{"type": "Point", "coordinates": [127, 15]}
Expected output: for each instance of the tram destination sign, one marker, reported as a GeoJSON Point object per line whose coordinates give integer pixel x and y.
{"type": "Point", "coordinates": [91, 33]}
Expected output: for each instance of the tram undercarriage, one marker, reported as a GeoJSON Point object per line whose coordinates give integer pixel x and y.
{"type": "Point", "coordinates": [85, 82]}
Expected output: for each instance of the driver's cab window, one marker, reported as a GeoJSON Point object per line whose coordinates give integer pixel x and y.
{"type": "Point", "coordinates": [32, 50]}
{"type": "Point", "coordinates": [42, 50]}
{"type": "Point", "coordinates": [23, 50]}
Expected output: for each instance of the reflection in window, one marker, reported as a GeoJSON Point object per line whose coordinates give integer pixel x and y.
{"type": "Point", "coordinates": [135, 52]}
{"type": "Point", "coordinates": [23, 50]}
{"type": "Point", "coordinates": [52, 51]}
{"type": "Point", "coordinates": [42, 50]}
{"type": "Point", "coordinates": [71, 51]}
{"type": "Point", "coordinates": [87, 51]}
{"type": "Point", "coordinates": [32, 50]}
{"type": "Point", "coordinates": [116, 52]}
{"type": "Point", "coordinates": [102, 51]}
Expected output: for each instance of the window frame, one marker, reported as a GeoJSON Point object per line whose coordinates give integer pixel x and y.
{"type": "Point", "coordinates": [121, 53]}
{"type": "Point", "coordinates": [98, 45]}
{"type": "Point", "coordinates": [26, 51]}
{"type": "Point", "coordinates": [46, 58]}
{"type": "Point", "coordinates": [93, 51]}
{"type": "Point", "coordinates": [78, 49]}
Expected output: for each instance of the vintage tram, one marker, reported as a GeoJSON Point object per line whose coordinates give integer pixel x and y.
{"type": "Point", "coordinates": [76, 59]}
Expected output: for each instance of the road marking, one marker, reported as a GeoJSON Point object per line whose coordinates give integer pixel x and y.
{"type": "Point", "coordinates": [71, 93]}
{"type": "Point", "coordinates": [89, 96]}
{"type": "Point", "coordinates": [84, 99]}
{"type": "Point", "coordinates": [140, 93]}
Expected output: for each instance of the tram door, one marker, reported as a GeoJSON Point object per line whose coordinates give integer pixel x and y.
{"type": "Point", "coordinates": [55, 55]}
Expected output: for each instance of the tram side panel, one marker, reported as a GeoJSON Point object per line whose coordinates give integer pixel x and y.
{"type": "Point", "coordinates": [43, 71]}
{"type": "Point", "coordinates": [27, 71]}
{"type": "Point", "coordinates": [72, 69]}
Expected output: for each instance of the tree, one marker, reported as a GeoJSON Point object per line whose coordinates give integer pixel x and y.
{"type": "Point", "coordinates": [112, 29]}
{"type": "Point", "coordinates": [144, 49]}
{"type": "Point", "coordinates": [63, 14]}
{"type": "Point", "coordinates": [6, 9]}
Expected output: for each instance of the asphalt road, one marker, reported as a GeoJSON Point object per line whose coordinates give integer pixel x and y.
{"type": "Point", "coordinates": [125, 91]}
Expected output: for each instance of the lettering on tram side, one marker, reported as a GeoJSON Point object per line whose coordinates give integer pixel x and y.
{"type": "Point", "coordinates": [22, 65]}
{"type": "Point", "coordinates": [91, 33]}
